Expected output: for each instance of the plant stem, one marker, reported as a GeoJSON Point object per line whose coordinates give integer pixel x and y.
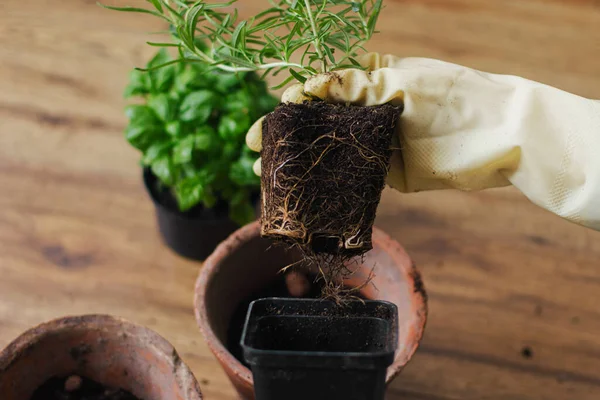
{"type": "Point", "coordinates": [260, 67]}
{"type": "Point", "coordinates": [317, 41]}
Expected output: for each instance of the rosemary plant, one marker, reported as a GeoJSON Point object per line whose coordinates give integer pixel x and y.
{"type": "Point", "coordinates": [303, 37]}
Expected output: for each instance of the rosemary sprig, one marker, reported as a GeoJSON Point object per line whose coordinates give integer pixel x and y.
{"type": "Point", "coordinates": [320, 35]}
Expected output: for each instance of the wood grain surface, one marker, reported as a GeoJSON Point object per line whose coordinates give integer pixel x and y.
{"type": "Point", "coordinates": [514, 290]}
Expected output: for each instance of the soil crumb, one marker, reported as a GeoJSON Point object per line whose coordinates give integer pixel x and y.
{"type": "Point", "coordinates": [75, 387]}
{"type": "Point", "coordinates": [527, 352]}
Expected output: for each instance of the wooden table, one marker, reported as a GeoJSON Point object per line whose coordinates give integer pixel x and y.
{"type": "Point", "coordinates": [512, 288]}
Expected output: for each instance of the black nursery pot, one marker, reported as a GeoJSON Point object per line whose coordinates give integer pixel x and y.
{"type": "Point", "coordinates": [314, 349]}
{"type": "Point", "coordinates": [193, 234]}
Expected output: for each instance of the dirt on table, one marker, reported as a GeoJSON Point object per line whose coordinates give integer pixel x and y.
{"type": "Point", "coordinates": [79, 388]}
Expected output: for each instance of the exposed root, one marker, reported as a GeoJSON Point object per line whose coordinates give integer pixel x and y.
{"type": "Point", "coordinates": [323, 172]}
{"type": "Point", "coordinates": [324, 168]}
{"type": "Point", "coordinates": [331, 273]}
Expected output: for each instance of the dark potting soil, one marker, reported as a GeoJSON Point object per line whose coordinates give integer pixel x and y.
{"type": "Point", "coordinates": [278, 288]}
{"type": "Point", "coordinates": [324, 334]}
{"type": "Point", "coordinates": [78, 388]}
{"type": "Point", "coordinates": [323, 172]}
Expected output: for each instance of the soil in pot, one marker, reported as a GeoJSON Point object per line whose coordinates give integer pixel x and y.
{"type": "Point", "coordinates": [323, 172]}
{"type": "Point", "coordinates": [78, 388]}
{"type": "Point", "coordinates": [292, 284]}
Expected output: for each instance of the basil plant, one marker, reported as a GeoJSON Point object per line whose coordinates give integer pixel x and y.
{"type": "Point", "coordinates": [190, 128]}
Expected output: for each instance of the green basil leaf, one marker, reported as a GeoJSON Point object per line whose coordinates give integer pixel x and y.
{"type": "Point", "coordinates": [197, 106]}
{"type": "Point", "coordinates": [235, 106]}
{"type": "Point", "coordinates": [161, 57]}
{"type": "Point", "coordinates": [208, 174]}
{"type": "Point", "coordinates": [205, 139]}
{"type": "Point", "coordinates": [156, 151]}
{"type": "Point", "coordinates": [139, 84]}
{"type": "Point", "coordinates": [163, 169]}
{"type": "Point", "coordinates": [143, 128]}
{"type": "Point", "coordinates": [163, 105]}
{"type": "Point", "coordinates": [162, 78]}
{"type": "Point", "coordinates": [226, 82]}
{"type": "Point", "coordinates": [193, 77]}
{"type": "Point", "coordinates": [189, 192]}
{"type": "Point", "coordinates": [141, 115]}
{"type": "Point", "coordinates": [239, 197]}
{"type": "Point", "coordinates": [231, 150]}
{"type": "Point", "coordinates": [241, 172]}
{"type": "Point", "coordinates": [174, 128]}
{"type": "Point", "coordinates": [242, 213]}
{"type": "Point", "coordinates": [139, 136]}
{"type": "Point", "coordinates": [266, 104]}
{"type": "Point", "coordinates": [209, 200]}
{"type": "Point", "coordinates": [232, 127]}
{"type": "Point", "coordinates": [182, 152]}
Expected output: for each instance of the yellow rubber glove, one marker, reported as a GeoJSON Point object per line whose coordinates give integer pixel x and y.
{"type": "Point", "coordinates": [470, 130]}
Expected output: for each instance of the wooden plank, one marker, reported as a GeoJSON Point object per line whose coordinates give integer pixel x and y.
{"type": "Point", "coordinates": [77, 233]}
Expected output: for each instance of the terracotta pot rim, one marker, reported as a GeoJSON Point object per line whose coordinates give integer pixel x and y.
{"type": "Point", "coordinates": [87, 322]}
{"type": "Point", "coordinates": [246, 233]}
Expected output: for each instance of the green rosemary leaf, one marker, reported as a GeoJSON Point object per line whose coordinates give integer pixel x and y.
{"type": "Point", "coordinates": [176, 13]}
{"type": "Point", "coordinates": [267, 12]}
{"type": "Point", "coordinates": [136, 10]}
{"type": "Point", "coordinates": [239, 30]}
{"type": "Point", "coordinates": [341, 20]}
{"type": "Point", "coordinates": [321, 8]}
{"type": "Point", "coordinates": [298, 77]}
{"type": "Point", "coordinates": [180, 60]}
{"type": "Point", "coordinates": [324, 35]}
{"type": "Point", "coordinates": [374, 16]}
{"type": "Point", "coordinates": [278, 71]}
{"type": "Point", "coordinates": [191, 18]}
{"type": "Point", "coordinates": [238, 61]}
{"type": "Point", "coordinates": [220, 5]}
{"type": "Point", "coordinates": [354, 62]}
{"type": "Point", "coordinates": [156, 4]}
{"type": "Point", "coordinates": [329, 53]}
{"type": "Point", "coordinates": [155, 44]}
{"type": "Point", "coordinates": [284, 83]}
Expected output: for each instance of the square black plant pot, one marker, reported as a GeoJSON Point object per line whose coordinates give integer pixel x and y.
{"type": "Point", "coordinates": [193, 234]}
{"type": "Point", "coordinates": [315, 349]}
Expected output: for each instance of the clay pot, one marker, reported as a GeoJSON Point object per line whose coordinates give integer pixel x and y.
{"type": "Point", "coordinates": [108, 350]}
{"type": "Point", "coordinates": [245, 263]}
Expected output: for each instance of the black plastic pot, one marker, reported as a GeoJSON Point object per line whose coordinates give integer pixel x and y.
{"type": "Point", "coordinates": [314, 349]}
{"type": "Point", "coordinates": [193, 234]}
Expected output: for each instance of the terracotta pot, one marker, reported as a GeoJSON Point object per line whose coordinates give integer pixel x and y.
{"type": "Point", "coordinates": [108, 350]}
{"type": "Point", "coordinates": [245, 262]}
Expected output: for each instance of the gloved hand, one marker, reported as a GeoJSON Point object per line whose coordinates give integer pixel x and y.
{"type": "Point", "coordinates": [469, 130]}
